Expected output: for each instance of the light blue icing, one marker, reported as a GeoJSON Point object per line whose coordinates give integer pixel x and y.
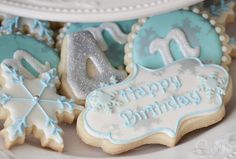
{"type": "Point", "coordinates": [13, 24]}
{"type": "Point", "coordinates": [131, 117]}
{"type": "Point", "coordinates": [115, 52]}
{"type": "Point", "coordinates": [151, 89]}
{"type": "Point", "coordinates": [198, 31]}
{"type": "Point", "coordinates": [44, 30]}
{"type": "Point", "coordinates": [168, 131]}
{"type": "Point", "coordinates": [10, 25]}
{"type": "Point", "coordinates": [48, 80]}
{"type": "Point", "coordinates": [40, 51]}
{"type": "Point", "coordinates": [217, 9]}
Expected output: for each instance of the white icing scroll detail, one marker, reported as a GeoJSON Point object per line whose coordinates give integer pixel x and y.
{"type": "Point", "coordinates": [162, 45]}
{"type": "Point", "coordinates": [114, 31]}
{"type": "Point", "coordinates": [16, 63]}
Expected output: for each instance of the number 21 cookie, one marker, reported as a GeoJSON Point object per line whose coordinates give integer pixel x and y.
{"type": "Point", "coordinates": [155, 106]}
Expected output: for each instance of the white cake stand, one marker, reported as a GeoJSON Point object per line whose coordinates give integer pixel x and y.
{"type": "Point", "coordinates": [90, 10]}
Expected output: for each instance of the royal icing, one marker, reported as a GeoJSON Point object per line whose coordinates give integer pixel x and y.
{"type": "Point", "coordinates": [155, 101]}
{"type": "Point", "coordinates": [110, 37]}
{"type": "Point", "coordinates": [21, 55]}
{"type": "Point", "coordinates": [33, 103]}
{"type": "Point", "coordinates": [221, 10]}
{"type": "Point", "coordinates": [184, 34]}
{"type": "Point", "coordinates": [39, 29]}
{"type": "Point", "coordinates": [27, 54]}
{"type": "Point", "coordinates": [81, 48]}
{"type": "Point", "coordinates": [162, 46]}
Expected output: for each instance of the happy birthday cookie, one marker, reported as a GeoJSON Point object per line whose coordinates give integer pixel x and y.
{"type": "Point", "coordinates": [19, 25]}
{"type": "Point", "coordinates": [155, 106]}
{"type": "Point", "coordinates": [28, 55]}
{"type": "Point", "coordinates": [160, 40]}
{"type": "Point", "coordinates": [32, 106]}
{"type": "Point", "coordinates": [110, 36]}
{"type": "Point", "coordinates": [84, 67]}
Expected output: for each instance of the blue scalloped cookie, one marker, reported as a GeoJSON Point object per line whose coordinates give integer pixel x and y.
{"type": "Point", "coordinates": [162, 39]}
{"type": "Point", "coordinates": [111, 37]}
{"type": "Point", "coordinates": [24, 45]}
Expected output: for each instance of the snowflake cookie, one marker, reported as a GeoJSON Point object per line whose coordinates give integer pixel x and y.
{"type": "Point", "coordinates": [33, 106]}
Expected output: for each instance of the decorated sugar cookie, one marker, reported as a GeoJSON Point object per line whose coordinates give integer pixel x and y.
{"type": "Point", "coordinates": [155, 106]}
{"type": "Point", "coordinates": [158, 41]}
{"type": "Point", "coordinates": [84, 67]}
{"type": "Point", "coordinates": [221, 10]}
{"type": "Point", "coordinates": [110, 36]}
{"type": "Point", "coordinates": [36, 28]}
{"type": "Point", "coordinates": [30, 56]}
{"type": "Point", "coordinates": [33, 106]}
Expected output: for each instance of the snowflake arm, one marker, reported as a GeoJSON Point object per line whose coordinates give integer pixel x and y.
{"type": "Point", "coordinates": [10, 25]}
{"type": "Point", "coordinates": [43, 30]}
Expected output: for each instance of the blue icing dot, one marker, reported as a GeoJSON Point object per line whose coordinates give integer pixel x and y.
{"type": "Point", "coordinates": [115, 52]}
{"type": "Point", "coordinates": [40, 51]}
{"type": "Point", "coordinates": [198, 31]}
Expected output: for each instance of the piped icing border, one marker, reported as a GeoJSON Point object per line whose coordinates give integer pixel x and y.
{"type": "Point", "coordinates": [61, 35]}
{"type": "Point", "coordinates": [170, 132]}
{"type": "Point", "coordinates": [226, 49]}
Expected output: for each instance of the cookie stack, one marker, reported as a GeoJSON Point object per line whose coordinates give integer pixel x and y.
{"type": "Point", "coordinates": [128, 83]}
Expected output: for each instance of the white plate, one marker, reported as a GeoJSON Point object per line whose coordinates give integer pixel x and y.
{"type": "Point", "coordinates": [90, 10]}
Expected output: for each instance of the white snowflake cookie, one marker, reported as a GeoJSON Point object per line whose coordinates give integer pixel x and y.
{"type": "Point", "coordinates": [33, 106]}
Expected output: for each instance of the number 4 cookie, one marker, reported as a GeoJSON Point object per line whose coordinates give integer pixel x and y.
{"type": "Point", "coordinates": [155, 106]}
{"type": "Point", "coordinates": [33, 106]}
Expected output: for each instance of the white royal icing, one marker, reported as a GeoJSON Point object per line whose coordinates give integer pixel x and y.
{"type": "Point", "coordinates": [153, 101]}
{"type": "Point", "coordinates": [33, 103]}
{"type": "Point", "coordinates": [21, 55]}
{"type": "Point", "coordinates": [162, 46]}
{"type": "Point", "coordinates": [114, 31]}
